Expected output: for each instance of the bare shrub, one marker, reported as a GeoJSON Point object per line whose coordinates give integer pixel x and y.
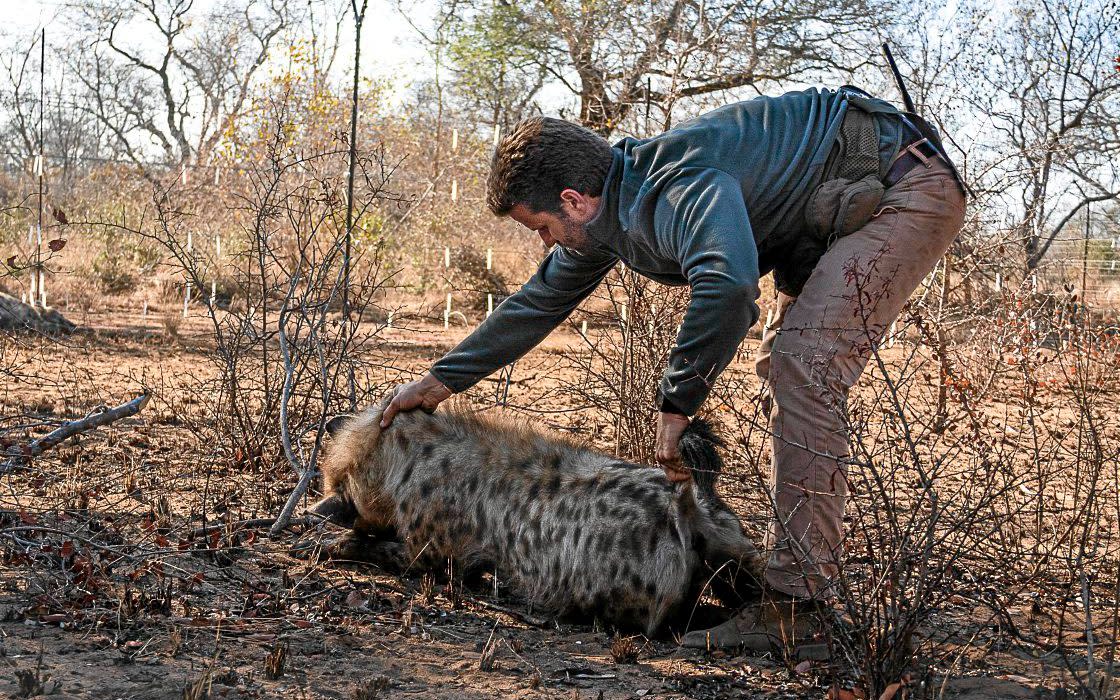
{"type": "Point", "coordinates": [632, 330]}
{"type": "Point", "coordinates": [275, 661]}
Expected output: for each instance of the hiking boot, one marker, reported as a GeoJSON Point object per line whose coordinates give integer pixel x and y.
{"type": "Point", "coordinates": [775, 624]}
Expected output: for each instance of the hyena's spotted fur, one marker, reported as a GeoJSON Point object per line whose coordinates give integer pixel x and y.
{"type": "Point", "coordinates": [574, 530]}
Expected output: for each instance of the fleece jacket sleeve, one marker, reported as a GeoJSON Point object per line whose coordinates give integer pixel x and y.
{"type": "Point", "coordinates": [701, 221]}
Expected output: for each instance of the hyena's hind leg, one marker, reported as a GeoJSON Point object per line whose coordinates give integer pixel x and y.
{"type": "Point", "coordinates": [733, 565]}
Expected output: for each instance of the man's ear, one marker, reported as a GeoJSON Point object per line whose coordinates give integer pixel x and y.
{"type": "Point", "coordinates": [578, 206]}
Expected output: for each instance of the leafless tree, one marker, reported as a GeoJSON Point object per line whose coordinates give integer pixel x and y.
{"type": "Point", "coordinates": [1048, 86]}
{"type": "Point", "coordinates": [71, 136]}
{"type": "Point", "coordinates": [165, 75]}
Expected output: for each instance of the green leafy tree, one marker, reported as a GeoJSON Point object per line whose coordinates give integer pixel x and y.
{"type": "Point", "coordinates": [497, 72]}
{"type": "Point", "coordinates": [620, 55]}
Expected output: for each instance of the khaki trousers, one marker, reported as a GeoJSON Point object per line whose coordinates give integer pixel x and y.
{"type": "Point", "coordinates": [816, 349]}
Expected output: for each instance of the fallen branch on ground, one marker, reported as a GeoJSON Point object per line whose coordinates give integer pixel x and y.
{"type": "Point", "coordinates": [19, 455]}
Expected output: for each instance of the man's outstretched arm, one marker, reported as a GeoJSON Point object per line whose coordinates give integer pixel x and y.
{"type": "Point", "coordinates": [563, 280]}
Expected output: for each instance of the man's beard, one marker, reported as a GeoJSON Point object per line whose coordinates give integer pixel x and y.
{"type": "Point", "coordinates": [576, 234]}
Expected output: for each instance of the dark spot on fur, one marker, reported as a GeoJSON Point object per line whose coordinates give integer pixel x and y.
{"type": "Point", "coordinates": [445, 466]}
{"type": "Point", "coordinates": [534, 492]}
{"type": "Point", "coordinates": [426, 489]}
{"type": "Point", "coordinates": [426, 450]}
{"type": "Point", "coordinates": [406, 475]}
{"type": "Point", "coordinates": [552, 487]}
{"type": "Point", "coordinates": [633, 544]}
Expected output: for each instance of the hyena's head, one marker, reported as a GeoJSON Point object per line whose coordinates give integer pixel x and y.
{"type": "Point", "coordinates": [352, 445]}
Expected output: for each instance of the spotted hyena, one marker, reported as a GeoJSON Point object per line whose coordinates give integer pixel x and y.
{"type": "Point", "coordinates": [573, 530]}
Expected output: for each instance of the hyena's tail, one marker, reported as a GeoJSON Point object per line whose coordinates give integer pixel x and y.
{"type": "Point", "coordinates": [699, 451]}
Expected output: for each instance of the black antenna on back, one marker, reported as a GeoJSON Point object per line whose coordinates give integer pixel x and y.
{"type": "Point", "coordinates": [909, 103]}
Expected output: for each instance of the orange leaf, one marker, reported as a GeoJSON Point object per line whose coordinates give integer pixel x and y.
{"type": "Point", "coordinates": [890, 692]}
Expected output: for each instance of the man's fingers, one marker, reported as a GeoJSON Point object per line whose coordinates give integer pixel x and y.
{"type": "Point", "coordinates": [676, 473]}
{"type": "Point", "coordinates": [390, 411]}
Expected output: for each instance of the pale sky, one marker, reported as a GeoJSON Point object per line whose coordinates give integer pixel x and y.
{"type": "Point", "coordinates": [390, 47]}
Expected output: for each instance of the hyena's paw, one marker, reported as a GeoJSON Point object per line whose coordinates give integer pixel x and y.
{"type": "Point", "coordinates": [353, 546]}
{"type": "Point", "coordinates": [312, 548]}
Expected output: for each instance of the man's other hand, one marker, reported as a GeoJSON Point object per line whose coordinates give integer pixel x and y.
{"type": "Point", "coordinates": [670, 427]}
{"type": "Point", "coordinates": [425, 393]}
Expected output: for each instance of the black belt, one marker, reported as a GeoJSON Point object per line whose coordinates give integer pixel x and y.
{"type": "Point", "coordinates": [915, 150]}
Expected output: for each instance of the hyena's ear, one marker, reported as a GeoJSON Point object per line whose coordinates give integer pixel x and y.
{"type": "Point", "coordinates": [337, 509]}
{"type": "Point", "coordinates": [335, 424]}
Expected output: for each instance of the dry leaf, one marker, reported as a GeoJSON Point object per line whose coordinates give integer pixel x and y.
{"type": "Point", "coordinates": [890, 692]}
{"type": "Point", "coordinates": [57, 244]}
{"type": "Point", "coordinates": [355, 599]}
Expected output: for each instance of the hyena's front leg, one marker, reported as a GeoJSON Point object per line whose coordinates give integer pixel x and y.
{"type": "Point", "coordinates": [387, 555]}
{"type": "Point", "coordinates": [377, 546]}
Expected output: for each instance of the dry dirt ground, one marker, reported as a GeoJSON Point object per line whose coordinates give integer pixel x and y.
{"type": "Point", "coordinates": [106, 593]}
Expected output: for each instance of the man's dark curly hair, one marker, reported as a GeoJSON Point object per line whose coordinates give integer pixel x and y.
{"type": "Point", "coordinates": [542, 157]}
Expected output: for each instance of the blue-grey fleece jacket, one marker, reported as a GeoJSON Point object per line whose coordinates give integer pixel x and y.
{"type": "Point", "coordinates": [712, 204]}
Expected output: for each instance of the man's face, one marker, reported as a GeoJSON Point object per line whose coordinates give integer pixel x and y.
{"type": "Point", "coordinates": [567, 227]}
